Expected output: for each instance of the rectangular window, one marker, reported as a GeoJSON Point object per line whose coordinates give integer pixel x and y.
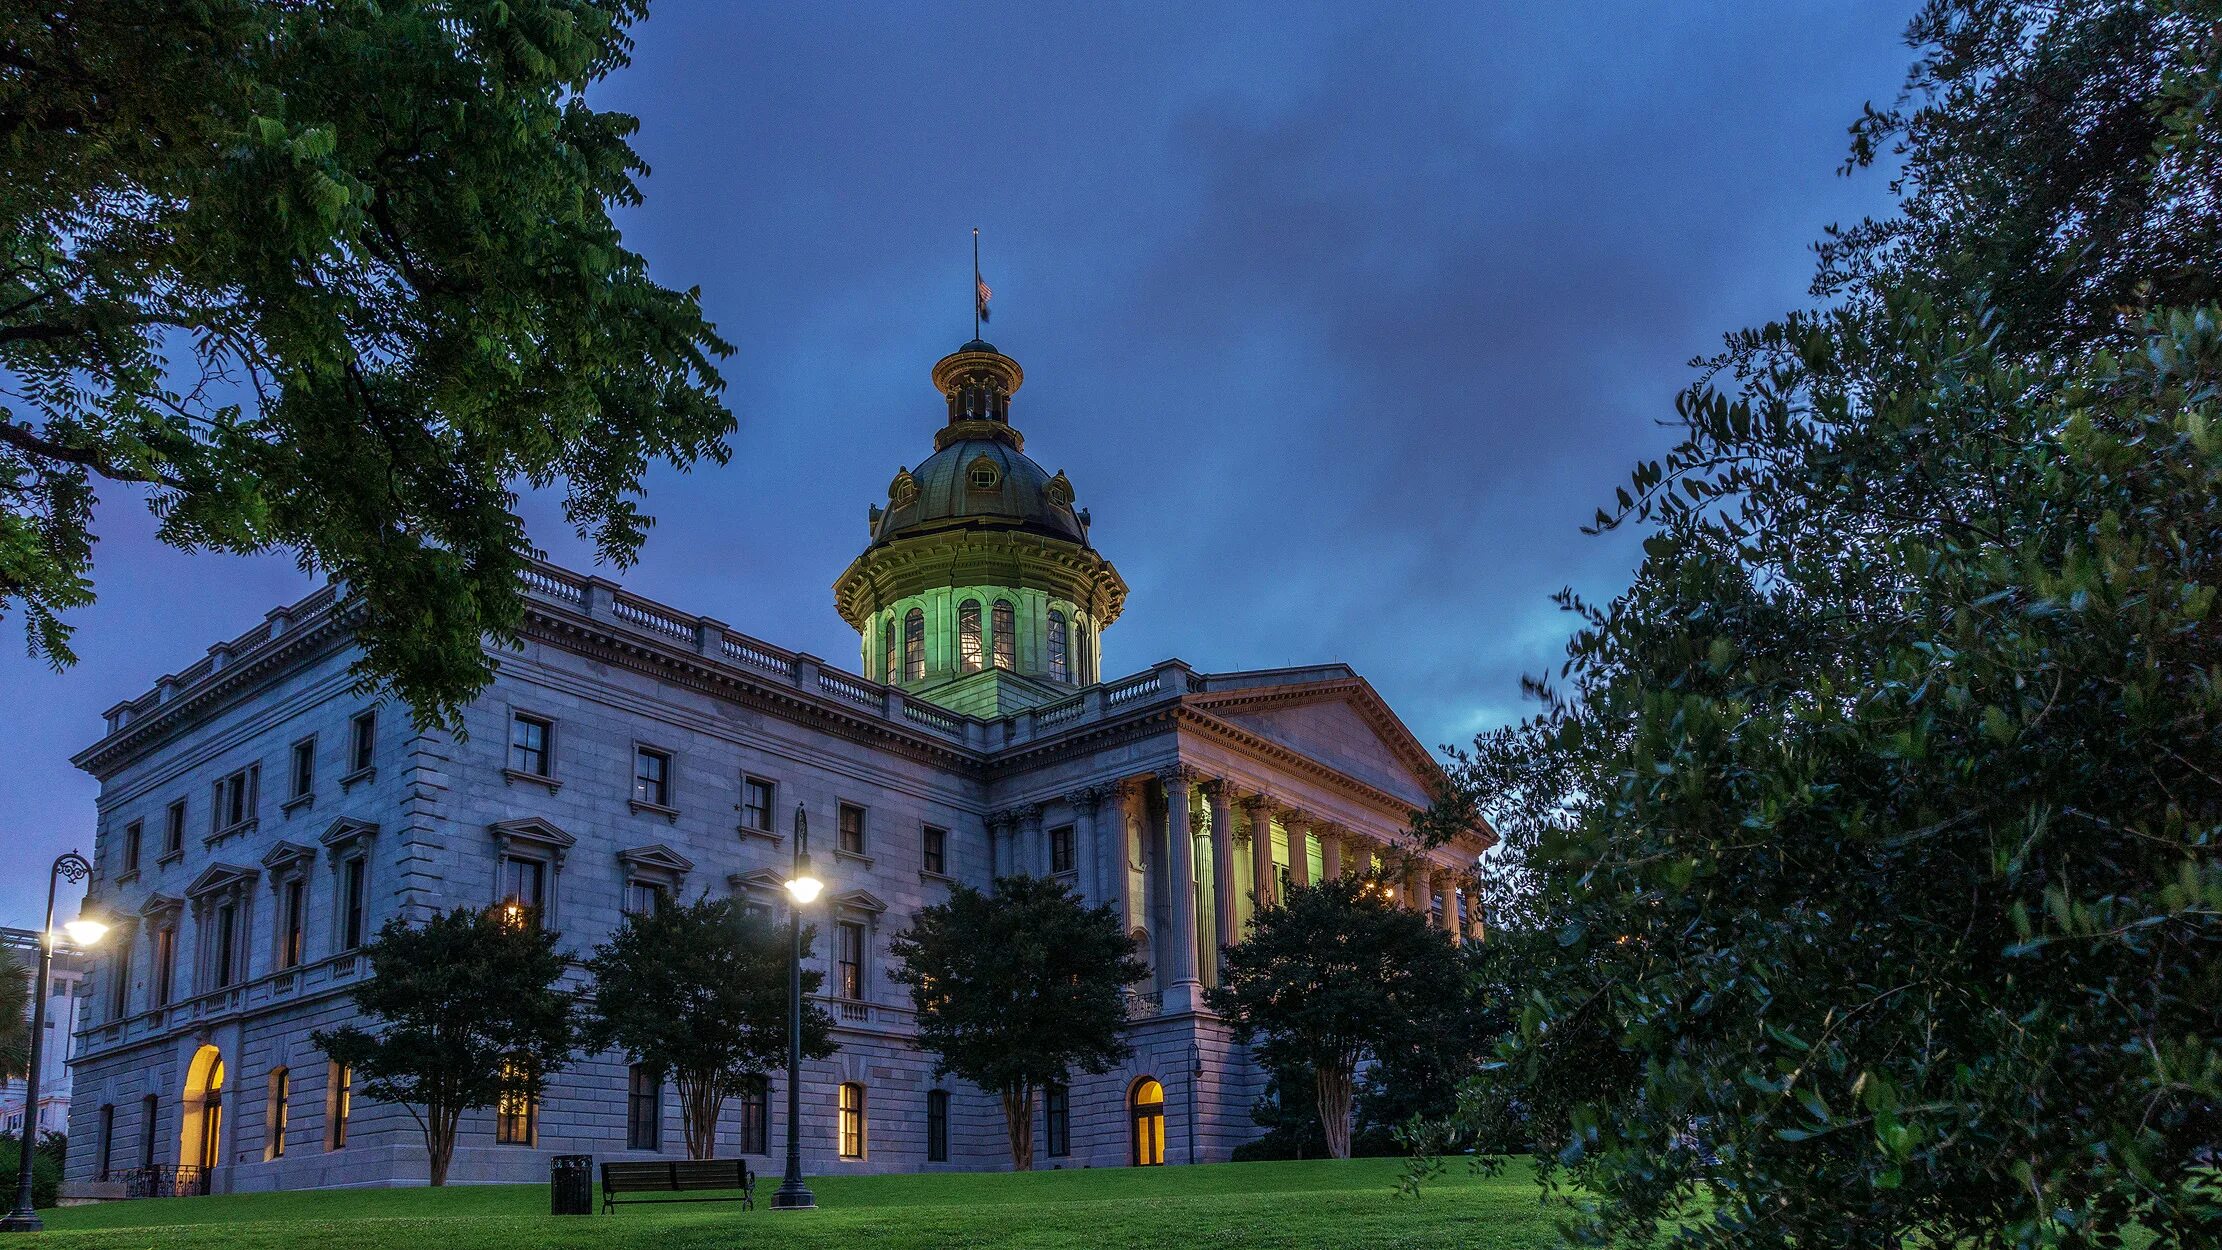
{"type": "Point", "coordinates": [131, 846]}
{"type": "Point", "coordinates": [1056, 1121]}
{"type": "Point", "coordinates": [1060, 849]}
{"type": "Point", "coordinates": [851, 828]}
{"type": "Point", "coordinates": [227, 944]}
{"type": "Point", "coordinates": [362, 741]}
{"type": "Point", "coordinates": [353, 903]}
{"type": "Point", "coordinates": [644, 1109]}
{"type": "Point", "coordinates": [292, 916]}
{"type": "Point", "coordinates": [107, 1140]}
{"type": "Point", "coordinates": [652, 777]}
{"type": "Point", "coordinates": [849, 966]}
{"type": "Point", "coordinates": [339, 1104]}
{"type": "Point", "coordinates": [756, 1105]}
{"type": "Point", "coordinates": [934, 849]}
{"type": "Point", "coordinates": [165, 965]}
{"type": "Point", "coordinates": [642, 898]}
{"type": "Point", "coordinates": [937, 1126]}
{"type": "Point", "coordinates": [304, 769]}
{"type": "Point", "coordinates": [150, 1113]}
{"type": "Point", "coordinates": [173, 831]}
{"type": "Point", "coordinates": [281, 1090]}
{"type": "Point", "coordinates": [756, 804]}
{"type": "Point", "coordinates": [524, 884]}
{"type": "Point", "coordinates": [516, 1111]}
{"type": "Point", "coordinates": [235, 800]}
{"type": "Point", "coordinates": [529, 741]}
{"type": "Point", "coordinates": [119, 977]}
{"type": "Point", "coordinates": [852, 1121]}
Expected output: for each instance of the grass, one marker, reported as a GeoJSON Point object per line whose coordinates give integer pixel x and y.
{"type": "Point", "coordinates": [1347, 1205]}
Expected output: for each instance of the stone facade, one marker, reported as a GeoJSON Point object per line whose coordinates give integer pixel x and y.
{"type": "Point", "coordinates": [258, 820]}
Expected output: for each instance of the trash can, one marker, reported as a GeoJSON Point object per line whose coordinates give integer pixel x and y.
{"type": "Point", "coordinates": [571, 1185]}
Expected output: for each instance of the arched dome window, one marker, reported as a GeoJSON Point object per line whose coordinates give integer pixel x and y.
{"type": "Point", "coordinates": [983, 474]}
{"type": "Point", "coordinates": [1060, 669]}
{"type": "Point", "coordinates": [970, 656]}
{"type": "Point", "coordinates": [1006, 636]}
{"type": "Point", "coordinates": [914, 645]}
{"type": "Point", "coordinates": [889, 670]}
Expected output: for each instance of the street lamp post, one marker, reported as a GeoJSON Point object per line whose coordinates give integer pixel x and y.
{"type": "Point", "coordinates": [802, 889]}
{"type": "Point", "coordinates": [84, 931]}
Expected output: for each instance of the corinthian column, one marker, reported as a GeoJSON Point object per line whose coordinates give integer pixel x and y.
{"type": "Point", "coordinates": [1033, 855]}
{"type": "Point", "coordinates": [1330, 853]}
{"type": "Point", "coordinates": [1299, 848]}
{"type": "Point", "coordinates": [1087, 855]}
{"type": "Point", "coordinates": [1118, 841]}
{"type": "Point", "coordinates": [1222, 865]}
{"type": "Point", "coordinates": [999, 844]}
{"type": "Point", "coordinates": [1180, 862]}
{"type": "Point", "coordinates": [1260, 810]}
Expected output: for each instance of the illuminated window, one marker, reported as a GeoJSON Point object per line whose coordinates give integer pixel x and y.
{"type": "Point", "coordinates": [516, 1111]}
{"type": "Point", "coordinates": [852, 1121]}
{"type": "Point", "coordinates": [1081, 672]}
{"type": "Point", "coordinates": [274, 1120]}
{"type": "Point", "coordinates": [970, 656]}
{"type": "Point", "coordinates": [848, 965]}
{"type": "Point", "coordinates": [524, 889]}
{"type": "Point", "coordinates": [1146, 1109]}
{"type": "Point", "coordinates": [339, 1104]}
{"type": "Point", "coordinates": [914, 645]}
{"type": "Point", "coordinates": [1060, 665]}
{"type": "Point", "coordinates": [887, 673]}
{"type": "Point", "coordinates": [1006, 639]}
{"type": "Point", "coordinates": [937, 1126]}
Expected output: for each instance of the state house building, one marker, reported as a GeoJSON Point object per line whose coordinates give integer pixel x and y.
{"type": "Point", "coordinates": [258, 822]}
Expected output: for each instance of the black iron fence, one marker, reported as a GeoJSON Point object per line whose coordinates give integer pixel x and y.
{"type": "Point", "coordinates": [183, 1181]}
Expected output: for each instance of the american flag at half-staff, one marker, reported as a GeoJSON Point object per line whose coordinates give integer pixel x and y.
{"type": "Point", "coordinates": [980, 291]}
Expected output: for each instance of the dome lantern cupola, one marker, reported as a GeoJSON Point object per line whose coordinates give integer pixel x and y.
{"type": "Point", "coordinates": [979, 589]}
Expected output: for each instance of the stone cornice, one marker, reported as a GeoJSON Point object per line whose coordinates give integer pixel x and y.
{"type": "Point", "coordinates": [976, 557]}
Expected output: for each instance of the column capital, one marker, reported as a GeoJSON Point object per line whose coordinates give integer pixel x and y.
{"type": "Point", "coordinates": [1178, 774]}
{"type": "Point", "coordinates": [1027, 813]}
{"type": "Point", "coordinates": [1294, 816]}
{"type": "Point", "coordinates": [1086, 799]}
{"type": "Point", "coordinates": [1213, 787]}
{"type": "Point", "coordinates": [1198, 816]}
{"type": "Point", "coordinates": [1258, 804]}
{"type": "Point", "coordinates": [1002, 818]}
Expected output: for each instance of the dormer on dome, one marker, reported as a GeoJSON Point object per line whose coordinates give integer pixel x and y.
{"type": "Point", "coordinates": [980, 589]}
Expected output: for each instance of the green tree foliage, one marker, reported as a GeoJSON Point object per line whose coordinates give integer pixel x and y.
{"type": "Point", "coordinates": [47, 1159]}
{"type": "Point", "coordinates": [465, 1011]}
{"type": "Point", "coordinates": [1409, 1093]}
{"type": "Point", "coordinates": [331, 279]}
{"type": "Point", "coordinates": [699, 991]}
{"type": "Point", "coordinates": [1016, 989]}
{"type": "Point", "coordinates": [1330, 975]}
{"type": "Point", "coordinates": [15, 1016]}
{"type": "Point", "coordinates": [1874, 828]}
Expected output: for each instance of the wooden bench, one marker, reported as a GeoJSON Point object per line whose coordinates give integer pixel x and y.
{"type": "Point", "coordinates": [680, 1176]}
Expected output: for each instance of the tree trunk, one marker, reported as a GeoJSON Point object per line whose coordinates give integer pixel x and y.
{"type": "Point", "coordinates": [439, 1141]}
{"type": "Point", "coordinates": [1018, 1119]}
{"type": "Point", "coordinates": [1333, 1090]}
{"type": "Point", "coordinates": [701, 1105]}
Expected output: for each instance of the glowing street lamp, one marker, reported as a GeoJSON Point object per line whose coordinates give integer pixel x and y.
{"type": "Point", "coordinates": [803, 888]}
{"type": "Point", "coordinates": [84, 931]}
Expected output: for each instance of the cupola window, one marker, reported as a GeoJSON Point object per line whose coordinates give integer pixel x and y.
{"type": "Point", "coordinates": [969, 656]}
{"type": "Point", "coordinates": [1060, 668]}
{"type": "Point", "coordinates": [1059, 490]}
{"type": "Point", "coordinates": [903, 490]}
{"type": "Point", "coordinates": [914, 645]}
{"type": "Point", "coordinates": [890, 669]}
{"type": "Point", "coordinates": [983, 474]}
{"type": "Point", "coordinates": [1005, 636]}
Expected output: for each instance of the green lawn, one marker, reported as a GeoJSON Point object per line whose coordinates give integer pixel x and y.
{"type": "Point", "coordinates": [1345, 1205]}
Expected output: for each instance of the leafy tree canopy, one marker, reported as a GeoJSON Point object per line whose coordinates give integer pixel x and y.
{"type": "Point", "coordinates": [1874, 828]}
{"type": "Point", "coordinates": [464, 1010]}
{"type": "Point", "coordinates": [15, 1017]}
{"type": "Point", "coordinates": [331, 279]}
{"type": "Point", "coordinates": [1330, 975]}
{"type": "Point", "coordinates": [700, 990]}
{"type": "Point", "coordinates": [1016, 989]}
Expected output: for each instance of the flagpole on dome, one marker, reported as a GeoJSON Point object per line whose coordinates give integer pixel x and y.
{"type": "Point", "coordinates": [980, 291]}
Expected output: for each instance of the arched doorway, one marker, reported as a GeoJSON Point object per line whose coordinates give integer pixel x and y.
{"type": "Point", "coordinates": [1145, 1104]}
{"type": "Point", "coordinates": [201, 1134]}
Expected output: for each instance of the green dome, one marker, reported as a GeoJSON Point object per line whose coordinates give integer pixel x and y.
{"type": "Point", "coordinates": [979, 483]}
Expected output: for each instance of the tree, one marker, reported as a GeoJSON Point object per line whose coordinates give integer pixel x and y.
{"type": "Point", "coordinates": [699, 991]}
{"type": "Point", "coordinates": [1016, 989]}
{"type": "Point", "coordinates": [1324, 979]}
{"type": "Point", "coordinates": [1875, 825]}
{"type": "Point", "coordinates": [332, 279]}
{"type": "Point", "coordinates": [1423, 1058]}
{"type": "Point", "coordinates": [466, 1014]}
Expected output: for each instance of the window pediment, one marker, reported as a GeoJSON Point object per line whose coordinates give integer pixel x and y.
{"type": "Point", "coordinates": [756, 881]}
{"type": "Point", "coordinates": [656, 861]}
{"type": "Point", "coordinates": [286, 856]}
{"type": "Point", "coordinates": [217, 878]}
{"type": "Point", "coordinates": [344, 833]}
{"type": "Point", "coordinates": [533, 835]}
{"type": "Point", "coordinates": [160, 908]}
{"type": "Point", "coordinates": [861, 901]}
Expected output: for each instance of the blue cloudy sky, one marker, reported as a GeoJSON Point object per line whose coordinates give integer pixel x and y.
{"type": "Point", "coordinates": [1342, 318]}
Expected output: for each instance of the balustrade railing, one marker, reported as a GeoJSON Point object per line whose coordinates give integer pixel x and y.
{"type": "Point", "coordinates": [183, 1181]}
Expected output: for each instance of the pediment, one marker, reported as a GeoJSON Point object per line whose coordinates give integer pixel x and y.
{"type": "Point", "coordinates": [345, 830]}
{"type": "Point", "coordinates": [657, 858]}
{"type": "Point", "coordinates": [756, 880]}
{"type": "Point", "coordinates": [217, 878]}
{"type": "Point", "coordinates": [1339, 723]}
{"type": "Point", "coordinates": [860, 900]}
{"type": "Point", "coordinates": [159, 907]}
{"type": "Point", "coordinates": [536, 830]}
{"type": "Point", "coordinates": [286, 854]}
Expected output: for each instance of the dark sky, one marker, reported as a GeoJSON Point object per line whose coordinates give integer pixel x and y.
{"type": "Point", "coordinates": [1342, 323]}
